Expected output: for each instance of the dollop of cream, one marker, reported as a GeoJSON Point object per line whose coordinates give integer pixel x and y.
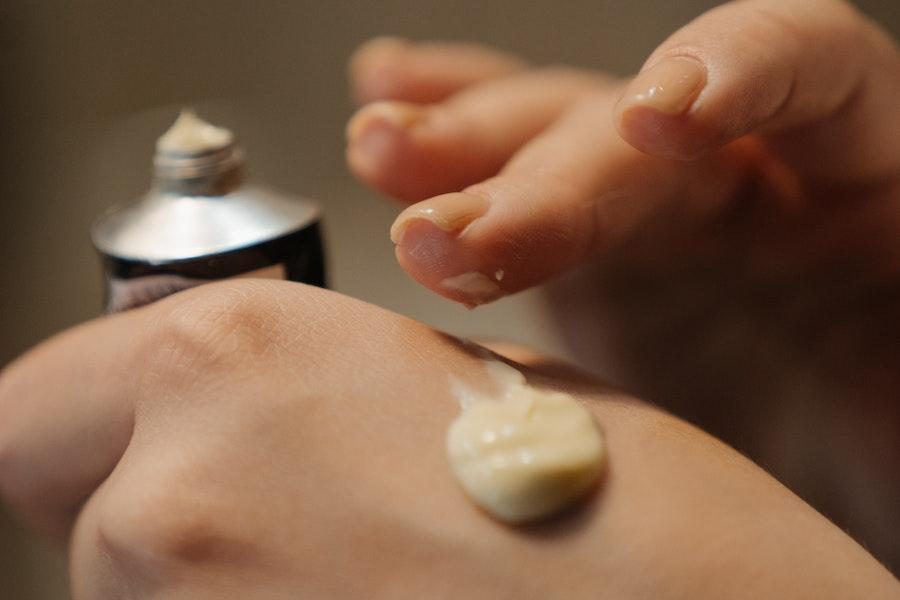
{"type": "Point", "coordinates": [524, 453]}
{"type": "Point", "coordinates": [190, 134]}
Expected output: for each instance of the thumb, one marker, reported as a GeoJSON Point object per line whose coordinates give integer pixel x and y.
{"type": "Point", "coordinates": [811, 69]}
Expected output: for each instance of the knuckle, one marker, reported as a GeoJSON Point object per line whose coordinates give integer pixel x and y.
{"type": "Point", "coordinates": [386, 80]}
{"type": "Point", "coordinates": [768, 21]}
{"type": "Point", "coordinates": [166, 521]}
{"type": "Point", "coordinates": [808, 22]}
{"type": "Point", "coordinates": [216, 328]}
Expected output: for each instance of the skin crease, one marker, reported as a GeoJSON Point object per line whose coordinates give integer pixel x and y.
{"type": "Point", "coordinates": [255, 463]}
{"type": "Point", "coordinates": [736, 264]}
{"type": "Point", "coordinates": [236, 441]}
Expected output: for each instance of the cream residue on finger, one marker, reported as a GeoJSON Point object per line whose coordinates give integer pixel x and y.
{"type": "Point", "coordinates": [523, 453]}
{"type": "Point", "coordinates": [190, 134]}
{"type": "Point", "coordinates": [478, 287]}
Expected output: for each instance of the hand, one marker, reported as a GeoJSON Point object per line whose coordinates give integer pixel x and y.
{"type": "Point", "coordinates": [260, 439]}
{"type": "Point", "coordinates": [733, 210]}
{"type": "Point", "coordinates": [785, 109]}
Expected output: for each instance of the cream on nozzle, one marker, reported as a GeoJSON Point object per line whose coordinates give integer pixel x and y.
{"type": "Point", "coordinates": [190, 134]}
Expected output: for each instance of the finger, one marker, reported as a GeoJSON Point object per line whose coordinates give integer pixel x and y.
{"type": "Point", "coordinates": [814, 70]}
{"type": "Point", "coordinates": [573, 191]}
{"type": "Point", "coordinates": [388, 68]}
{"type": "Point", "coordinates": [412, 152]}
{"type": "Point", "coordinates": [65, 418]}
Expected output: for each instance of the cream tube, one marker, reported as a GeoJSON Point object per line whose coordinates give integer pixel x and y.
{"type": "Point", "coordinates": [201, 222]}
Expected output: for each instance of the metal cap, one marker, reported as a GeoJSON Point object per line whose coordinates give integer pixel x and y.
{"type": "Point", "coordinates": [198, 206]}
{"type": "Point", "coordinates": [164, 227]}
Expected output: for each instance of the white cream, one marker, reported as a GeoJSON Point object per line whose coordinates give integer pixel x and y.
{"type": "Point", "coordinates": [190, 134]}
{"type": "Point", "coordinates": [525, 453]}
{"type": "Point", "coordinates": [478, 287]}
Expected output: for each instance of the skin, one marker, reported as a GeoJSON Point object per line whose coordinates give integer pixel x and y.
{"type": "Point", "coordinates": [270, 440]}
{"type": "Point", "coordinates": [240, 446]}
{"type": "Point", "coordinates": [735, 262]}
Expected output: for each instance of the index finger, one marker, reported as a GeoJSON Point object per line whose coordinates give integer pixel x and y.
{"type": "Point", "coordinates": [66, 410]}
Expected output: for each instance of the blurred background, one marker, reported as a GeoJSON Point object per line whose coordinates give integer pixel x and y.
{"type": "Point", "coordinates": [88, 85]}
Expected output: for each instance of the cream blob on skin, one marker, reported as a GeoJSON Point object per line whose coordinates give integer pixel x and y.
{"type": "Point", "coordinates": [524, 453]}
{"type": "Point", "coordinates": [190, 134]}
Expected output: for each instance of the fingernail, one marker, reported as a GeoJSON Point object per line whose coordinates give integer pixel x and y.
{"type": "Point", "coordinates": [449, 212]}
{"type": "Point", "coordinates": [385, 44]}
{"type": "Point", "coordinates": [669, 87]}
{"type": "Point", "coordinates": [401, 115]}
{"type": "Point", "coordinates": [376, 51]}
{"type": "Point", "coordinates": [472, 288]}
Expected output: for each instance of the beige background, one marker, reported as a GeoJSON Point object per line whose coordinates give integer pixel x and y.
{"type": "Point", "coordinates": [87, 86]}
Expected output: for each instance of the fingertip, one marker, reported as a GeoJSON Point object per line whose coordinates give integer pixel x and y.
{"type": "Point", "coordinates": [673, 137]}
{"type": "Point", "coordinates": [370, 158]}
{"type": "Point", "coordinates": [405, 150]}
{"type": "Point", "coordinates": [438, 260]}
{"type": "Point", "coordinates": [654, 113]}
{"type": "Point", "coordinates": [375, 69]}
{"type": "Point", "coordinates": [381, 150]}
{"type": "Point", "coordinates": [398, 115]}
{"type": "Point", "coordinates": [376, 46]}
